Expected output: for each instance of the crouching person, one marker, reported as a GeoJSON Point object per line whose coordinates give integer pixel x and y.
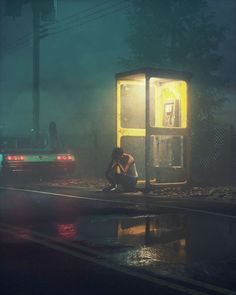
{"type": "Point", "coordinates": [121, 171]}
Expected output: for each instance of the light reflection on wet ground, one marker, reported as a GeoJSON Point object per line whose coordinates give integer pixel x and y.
{"type": "Point", "coordinates": [186, 246]}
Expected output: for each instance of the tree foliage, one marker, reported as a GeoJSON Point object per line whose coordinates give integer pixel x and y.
{"type": "Point", "coordinates": [179, 34]}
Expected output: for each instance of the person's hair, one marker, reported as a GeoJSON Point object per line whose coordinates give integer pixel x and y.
{"type": "Point", "coordinates": [117, 152]}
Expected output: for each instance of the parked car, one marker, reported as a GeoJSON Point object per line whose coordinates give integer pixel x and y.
{"type": "Point", "coordinates": [22, 155]}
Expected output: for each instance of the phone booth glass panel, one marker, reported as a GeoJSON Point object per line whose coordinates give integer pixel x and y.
{"type": "Point", "coordinates": [168, 103]}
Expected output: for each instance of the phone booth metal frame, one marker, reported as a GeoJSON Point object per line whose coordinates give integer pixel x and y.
{"type": "Point", "coordinates": [154, 123]}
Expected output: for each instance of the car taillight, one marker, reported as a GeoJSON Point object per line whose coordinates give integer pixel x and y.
{"type": "Point", "coordinates": [64, 157]}
{"type": "Point", "coordinates": [15, 158]}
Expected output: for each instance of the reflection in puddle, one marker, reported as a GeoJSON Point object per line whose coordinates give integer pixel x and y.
{"type": "Point", "coordinates": [67, 231]}
{"type": "Point", "coordinates": [169, 244]}
{"type": "Point", "coordinates": [21, 235]}
{"type": "Point", "coordinates": [159, 239]}
{"type": "Point", "coordinates": [176, 245]}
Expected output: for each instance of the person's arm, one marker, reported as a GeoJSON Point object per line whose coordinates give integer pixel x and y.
{"type": "Point", "coordinates": [129, 162]}
{"type": "Point", "coordinates": [122, 170]}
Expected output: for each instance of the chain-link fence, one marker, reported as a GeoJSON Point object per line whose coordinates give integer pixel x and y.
{"type": "Point", "coordinates": [214, 155]}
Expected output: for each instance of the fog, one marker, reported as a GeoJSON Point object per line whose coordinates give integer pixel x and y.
{"type": "Point", "coordinates": [77, 74]}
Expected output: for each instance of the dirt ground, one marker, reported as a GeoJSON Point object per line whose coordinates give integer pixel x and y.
{"type": "Point", "coordinates": [220, 193]}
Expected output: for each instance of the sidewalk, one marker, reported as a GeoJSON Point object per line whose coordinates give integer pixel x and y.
{"type": "Point", "coordinates": [221, 193]}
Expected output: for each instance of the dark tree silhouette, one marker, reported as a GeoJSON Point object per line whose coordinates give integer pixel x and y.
{"type": "Point", "coordinates": [179, 34]}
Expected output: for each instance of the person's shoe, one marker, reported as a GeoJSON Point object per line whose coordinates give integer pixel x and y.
{"type": "Point", "coordinates": [110, 188]}
{"type": "Point", "coordinates": [114, 188]}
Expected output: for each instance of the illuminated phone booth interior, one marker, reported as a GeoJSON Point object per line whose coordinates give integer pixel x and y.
{"type": "Point", "coordinates": [153, 123]}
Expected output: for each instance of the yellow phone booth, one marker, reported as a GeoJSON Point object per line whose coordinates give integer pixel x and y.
{"type": "Point", "coordinates": [153, 123]}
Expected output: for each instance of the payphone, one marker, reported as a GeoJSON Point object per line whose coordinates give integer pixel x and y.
{"type": "Point", "coordinates": [171, 113]}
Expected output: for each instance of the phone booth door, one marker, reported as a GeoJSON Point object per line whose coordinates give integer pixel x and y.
{"type": "Point", "coordinates": [168, 130]}
{"type": "Point", "coordinates": [131, 118]}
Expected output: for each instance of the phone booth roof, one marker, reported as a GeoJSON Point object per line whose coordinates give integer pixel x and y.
{"type": "Point", "coordinates": [141, 73]}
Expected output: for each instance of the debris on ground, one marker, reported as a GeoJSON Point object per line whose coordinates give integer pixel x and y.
{"type": "Point", "coordinates": [220, 193]}
{"type": "Point", "coordinates": [89, 182]}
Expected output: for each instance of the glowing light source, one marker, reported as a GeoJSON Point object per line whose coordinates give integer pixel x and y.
{"type": "Point", "coordinates": [170, 103]}
{"type": "Point", "coordinates": [64, 157]}
{"type": "Point", "coordinates": [154, 104]}
{"type": "Point", "coordinates": [15, 158]}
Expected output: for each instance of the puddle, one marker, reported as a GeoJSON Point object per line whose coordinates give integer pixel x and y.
{"type": "Point", "coordinates": [177, 245]}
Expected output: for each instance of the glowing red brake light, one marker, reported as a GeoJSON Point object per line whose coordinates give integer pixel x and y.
{"type": "Point", "coordinates": [64, 157]}
{"type": "Point", "coordinates": [15, 158]}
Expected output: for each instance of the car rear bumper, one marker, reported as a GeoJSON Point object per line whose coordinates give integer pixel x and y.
{"type": "Point", "coordinates": [45, 168]}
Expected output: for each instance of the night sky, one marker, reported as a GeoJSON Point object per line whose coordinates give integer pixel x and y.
{"type": "Point", "coordinates": [78, 66]}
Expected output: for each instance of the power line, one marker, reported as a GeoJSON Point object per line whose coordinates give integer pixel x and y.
{"type": "Point", "coordinates": [23, 41]}
{"type": "Point", "coordinates": [74, 15]}
{"type": "Point", "coordinates": [79, 24]}
{"type": "Point", "coordinates": [23, 45]}
{"type": "Point", "coordinates": [74, 18]}
{"type": "Point", "coordinates": [71, 24]}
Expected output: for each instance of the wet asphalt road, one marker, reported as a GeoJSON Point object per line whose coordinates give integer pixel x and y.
{"type": "Point", "coordinates": [79, 241]}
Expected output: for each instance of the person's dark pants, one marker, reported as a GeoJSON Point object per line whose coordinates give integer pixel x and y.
{"type": "Point", "coordinates": [128, 182]}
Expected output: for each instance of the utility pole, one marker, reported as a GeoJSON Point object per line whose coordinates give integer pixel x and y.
{"type": "Point", "coordinates": [36, 67]}
{"type": "Point", "coordinates": [41, 9]}
{"type": "Point", "coordinates": [1, 99]}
